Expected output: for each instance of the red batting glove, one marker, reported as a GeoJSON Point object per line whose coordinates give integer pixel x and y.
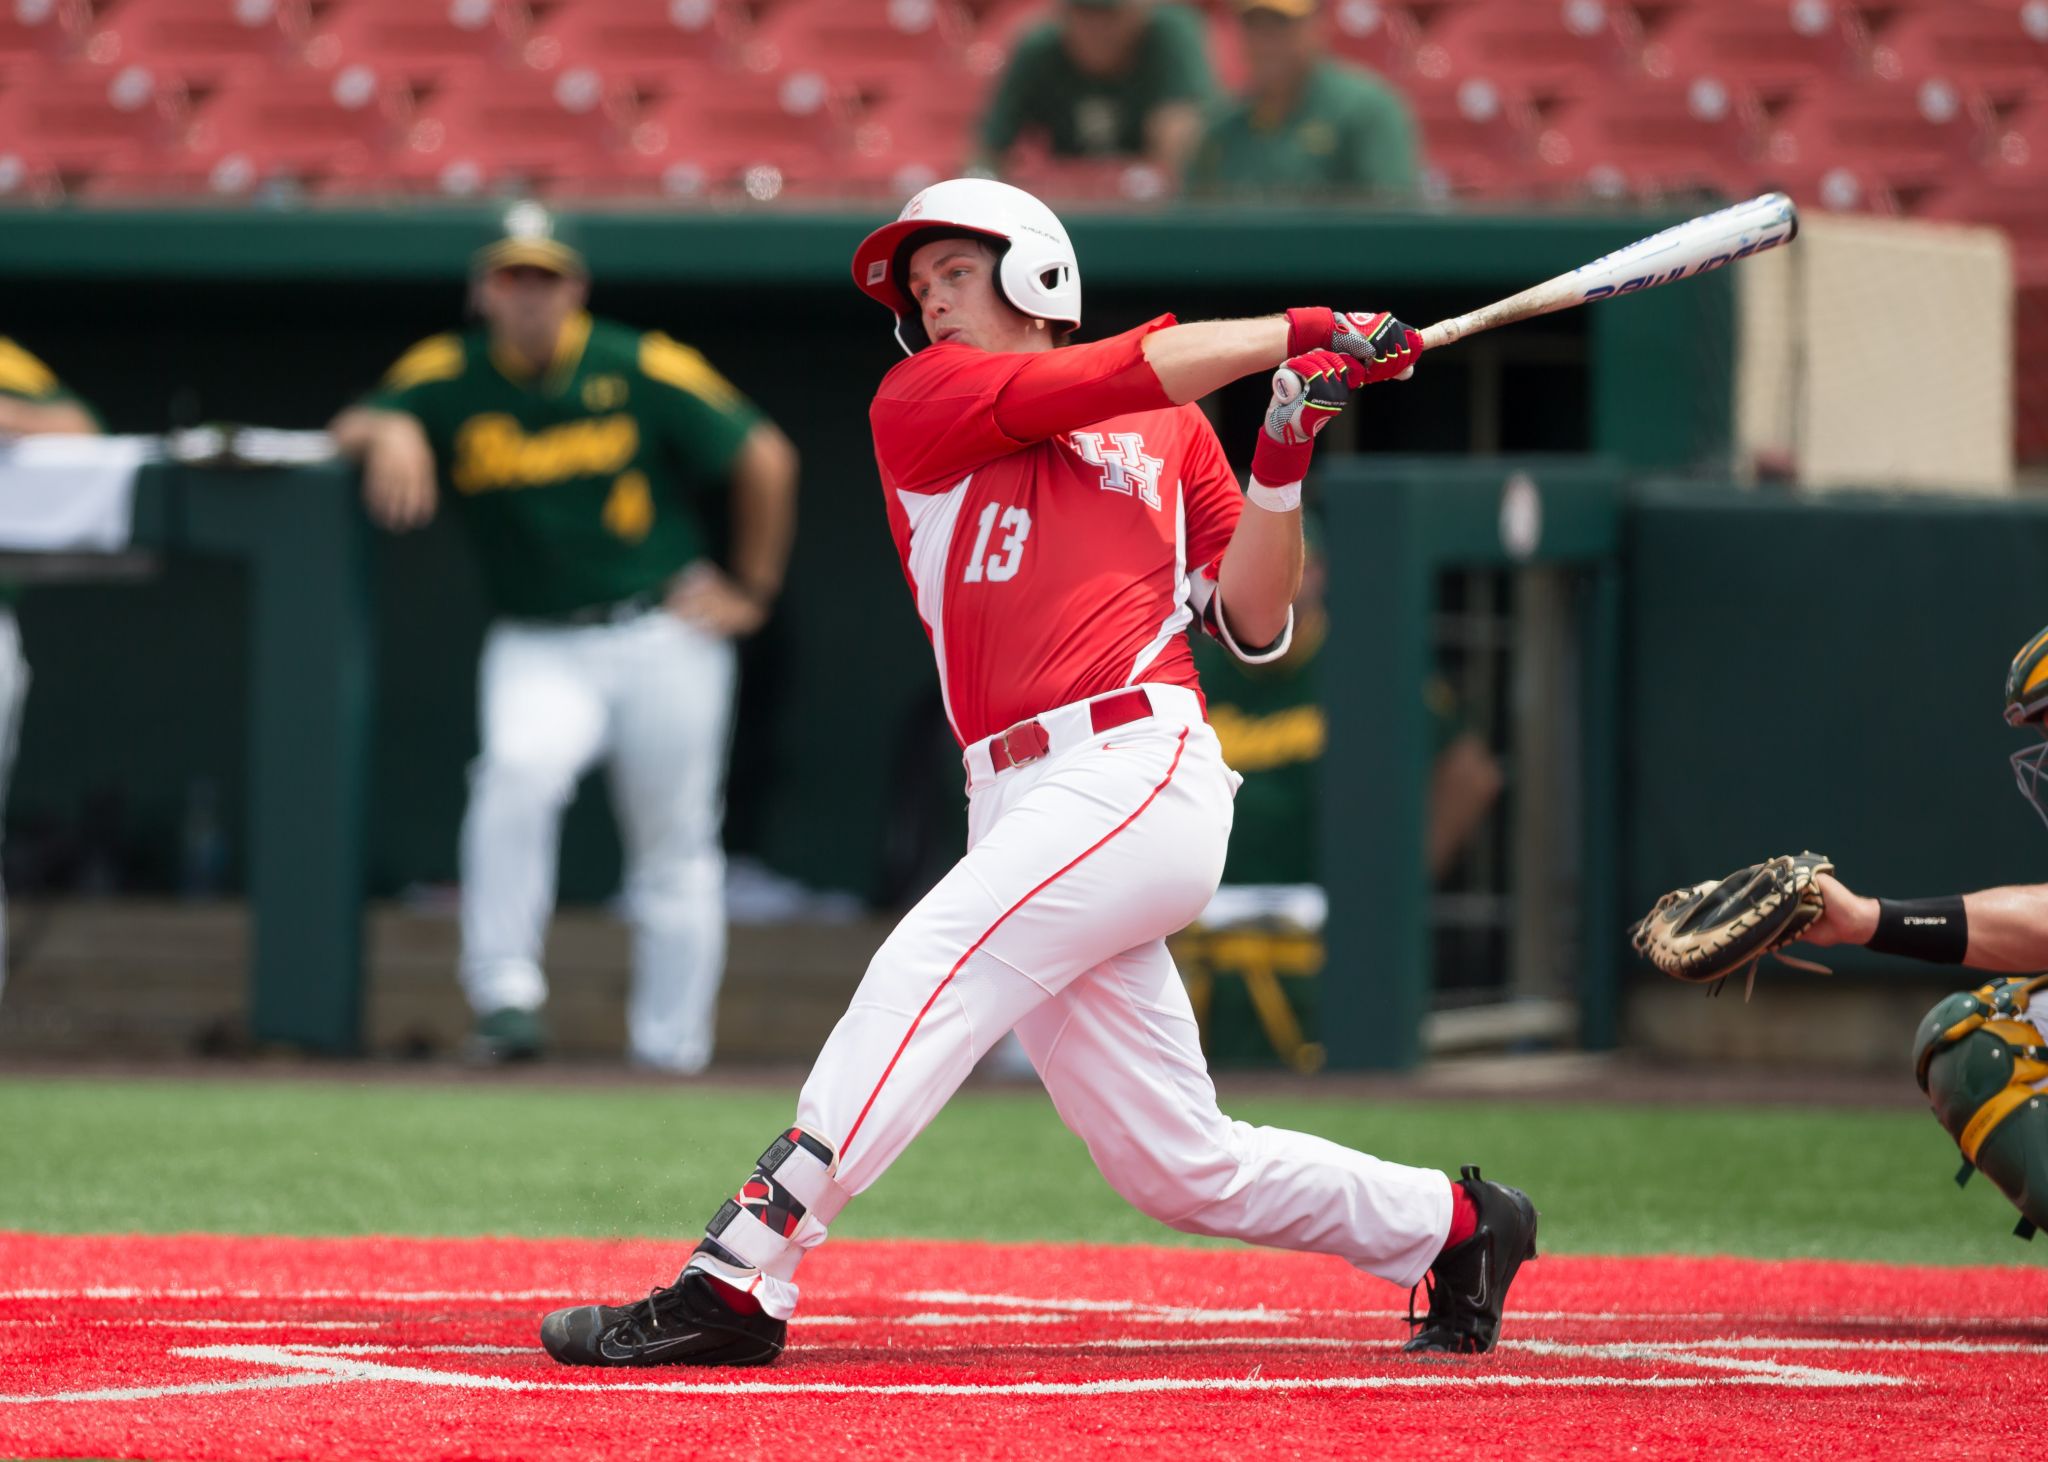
{"type": "Point", "coordinates": [1308, 393]}
{"type": "Point", "coordinates": [1388, 348]}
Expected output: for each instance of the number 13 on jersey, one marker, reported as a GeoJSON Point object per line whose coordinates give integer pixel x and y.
{"type": "Point", "coordinates": [1001, 565]}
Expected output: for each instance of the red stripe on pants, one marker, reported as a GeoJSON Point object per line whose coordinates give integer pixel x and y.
{"type": "Point", "coordinates": [989, 932]}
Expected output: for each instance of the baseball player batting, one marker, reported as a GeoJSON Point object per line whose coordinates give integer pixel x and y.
{"type": "Point", "coordinates": [1063, 514]}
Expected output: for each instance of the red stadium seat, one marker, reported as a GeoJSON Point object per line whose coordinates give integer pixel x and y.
{"type": "Point", "coordinates": [1478, 136]}
{"type": "Point", "coordinates": [1370, 33]}
{"type": "Point", "coordinates": [908, 141]}
{"type": "Point", "coordinates": [34, 32]}
{"type": "Point", "coordinates": [1648, 140]}
{"type": "Point", "coordinates": [491, 130]}
{"type": "Point", "coordinates": [1772, 46]}
{"type": "Point", "coordinates": [1548, 48]}
{"type": "Point", "coordinates": [306, 127]}
{"type": "Point", "coordinates": [418, 40]}
{"type": "Point", "coordinates": [85, 121]}
{"type": "Point", "coordinates": [1998, 48]}
{"type": "Point", "coordinates": [761, 136]}
{"type": "Point", "coordinates": [873, 47]}
{"type": "Point", "coordinates": [658, 45]}
{"type": "Point", "coordinates": [1123, 182]}
{"type": "Point", "coordinates": [25, 178]}
{"type": "Point", "coordinates": [1912, 137]}
{"type": "Point", "coordinates": [199, 39]}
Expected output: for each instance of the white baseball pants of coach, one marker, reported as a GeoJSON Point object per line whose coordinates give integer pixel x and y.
{"type": "Point", "coordinates": [651, 696]}
{"type": "Point", "coordinates": [1078, 867]}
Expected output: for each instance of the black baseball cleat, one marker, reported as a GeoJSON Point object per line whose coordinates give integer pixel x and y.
{"type": "Point", "coordinates": [1468, 1285]}
{"type": "Point", "coordinates": [686, 1324]}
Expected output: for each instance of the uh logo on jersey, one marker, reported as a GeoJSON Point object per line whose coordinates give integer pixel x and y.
{"type": "Point", "coordinates": [1125, 467]}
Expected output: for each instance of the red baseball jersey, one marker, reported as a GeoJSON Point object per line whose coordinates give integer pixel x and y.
{"type": "Point", "coordinates": [1059, 519]}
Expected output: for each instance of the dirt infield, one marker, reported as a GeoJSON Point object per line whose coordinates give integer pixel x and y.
{"type": "Point", "coordinates": [401, 1349]}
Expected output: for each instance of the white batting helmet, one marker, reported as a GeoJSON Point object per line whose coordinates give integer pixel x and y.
{"type": "Point", "coordinates": [1038, 273]}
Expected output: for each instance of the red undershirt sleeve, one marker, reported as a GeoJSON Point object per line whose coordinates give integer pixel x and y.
{"type": "Point", "coordinates": [1058, 391]}
{"type": "Point", "coordinates": [950, 409]}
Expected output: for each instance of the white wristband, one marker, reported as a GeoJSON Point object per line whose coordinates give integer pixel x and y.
{"type": "Point", "coordinates": [1275, 499]}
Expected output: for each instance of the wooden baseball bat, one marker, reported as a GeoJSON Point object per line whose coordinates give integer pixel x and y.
{"type": "Point", "coordinates": [1679, 252]}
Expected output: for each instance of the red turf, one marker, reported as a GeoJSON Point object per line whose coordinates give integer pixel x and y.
{"type": "Point", "coordinates": [397, 1348]}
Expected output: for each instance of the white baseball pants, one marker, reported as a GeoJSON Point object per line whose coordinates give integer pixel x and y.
{"type": "Point", "coordinates": [1079, 866]}
{"type": "Point", "coordinates": [652, 697]}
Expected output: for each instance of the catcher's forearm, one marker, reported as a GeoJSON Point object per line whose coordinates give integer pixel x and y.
{"type": "Point", "coordinates": [2009, 929]}
{"type": "Point", "coordinates": [2004, 930]}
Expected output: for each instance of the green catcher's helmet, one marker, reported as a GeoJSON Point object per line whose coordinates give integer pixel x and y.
{"type": "Point", "coordinates": [2026, 704]}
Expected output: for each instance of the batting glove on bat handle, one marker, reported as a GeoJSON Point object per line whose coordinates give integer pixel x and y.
{"type": "Point", "coordinates": [1308, 393]}
{"type": "Point", "coordinates": [1388, 348]}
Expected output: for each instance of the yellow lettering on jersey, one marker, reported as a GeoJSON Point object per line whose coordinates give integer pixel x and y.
{"type": "Point", "coordinates": [437, 358]}
{"type": "Point", "coordinates": [21, 374]}
{"type": "Point", "coordinates": [675, 364]}
{"type": "Point", "coordinates": [1261, 743]}
{"type": "Point", "coordinates": [493, 451]}
{"type": "Point", "coordinates": [629, 510]}
{"type": "Point", "coordinates": [604, 393]}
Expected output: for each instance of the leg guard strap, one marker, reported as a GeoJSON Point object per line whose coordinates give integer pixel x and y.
{"type": "Point", "coordinates": [755, 1229]}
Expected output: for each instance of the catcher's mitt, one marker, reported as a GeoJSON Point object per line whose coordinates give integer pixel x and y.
{"type": "Point", "coordinates": [1712, 930]}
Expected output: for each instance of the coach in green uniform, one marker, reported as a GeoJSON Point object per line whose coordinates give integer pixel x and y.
{"type": "Point", "coordinates": [1107, 78]}
{"type": "Point", "coordinates": [1307, 124]}
{"type": "Point", "coordinates": [575, 452]}
{"type": "Point", "coordinates": [33, 402]}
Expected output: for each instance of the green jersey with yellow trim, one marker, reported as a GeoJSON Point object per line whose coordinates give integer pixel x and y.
{"type": "Point", "coordinates": [577, 485]}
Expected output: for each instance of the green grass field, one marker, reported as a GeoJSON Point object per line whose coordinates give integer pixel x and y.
{"type": "Point", "coordinates": [313, 1157]}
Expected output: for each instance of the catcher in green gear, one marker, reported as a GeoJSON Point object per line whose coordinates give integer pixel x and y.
{"type": "Point", "coordinates": [1980, 1055]}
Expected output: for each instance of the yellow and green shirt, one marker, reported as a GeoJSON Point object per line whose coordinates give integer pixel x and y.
{"type": "Point", "coordinates": [1348, 132]}
{"type": "Point", "coordinates": [578, 485]}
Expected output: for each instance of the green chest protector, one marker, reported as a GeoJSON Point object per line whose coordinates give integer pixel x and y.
{"type": "Point", "coordinates": [1984, 1067]}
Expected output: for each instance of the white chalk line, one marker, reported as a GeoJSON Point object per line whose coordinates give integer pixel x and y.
{"type": "Point", "coordinates": [1012, 1308]}
{"type": "Point", "coordinates": [324, 1365]}
{"type": "Point", "coordinates": [305, 1369]}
